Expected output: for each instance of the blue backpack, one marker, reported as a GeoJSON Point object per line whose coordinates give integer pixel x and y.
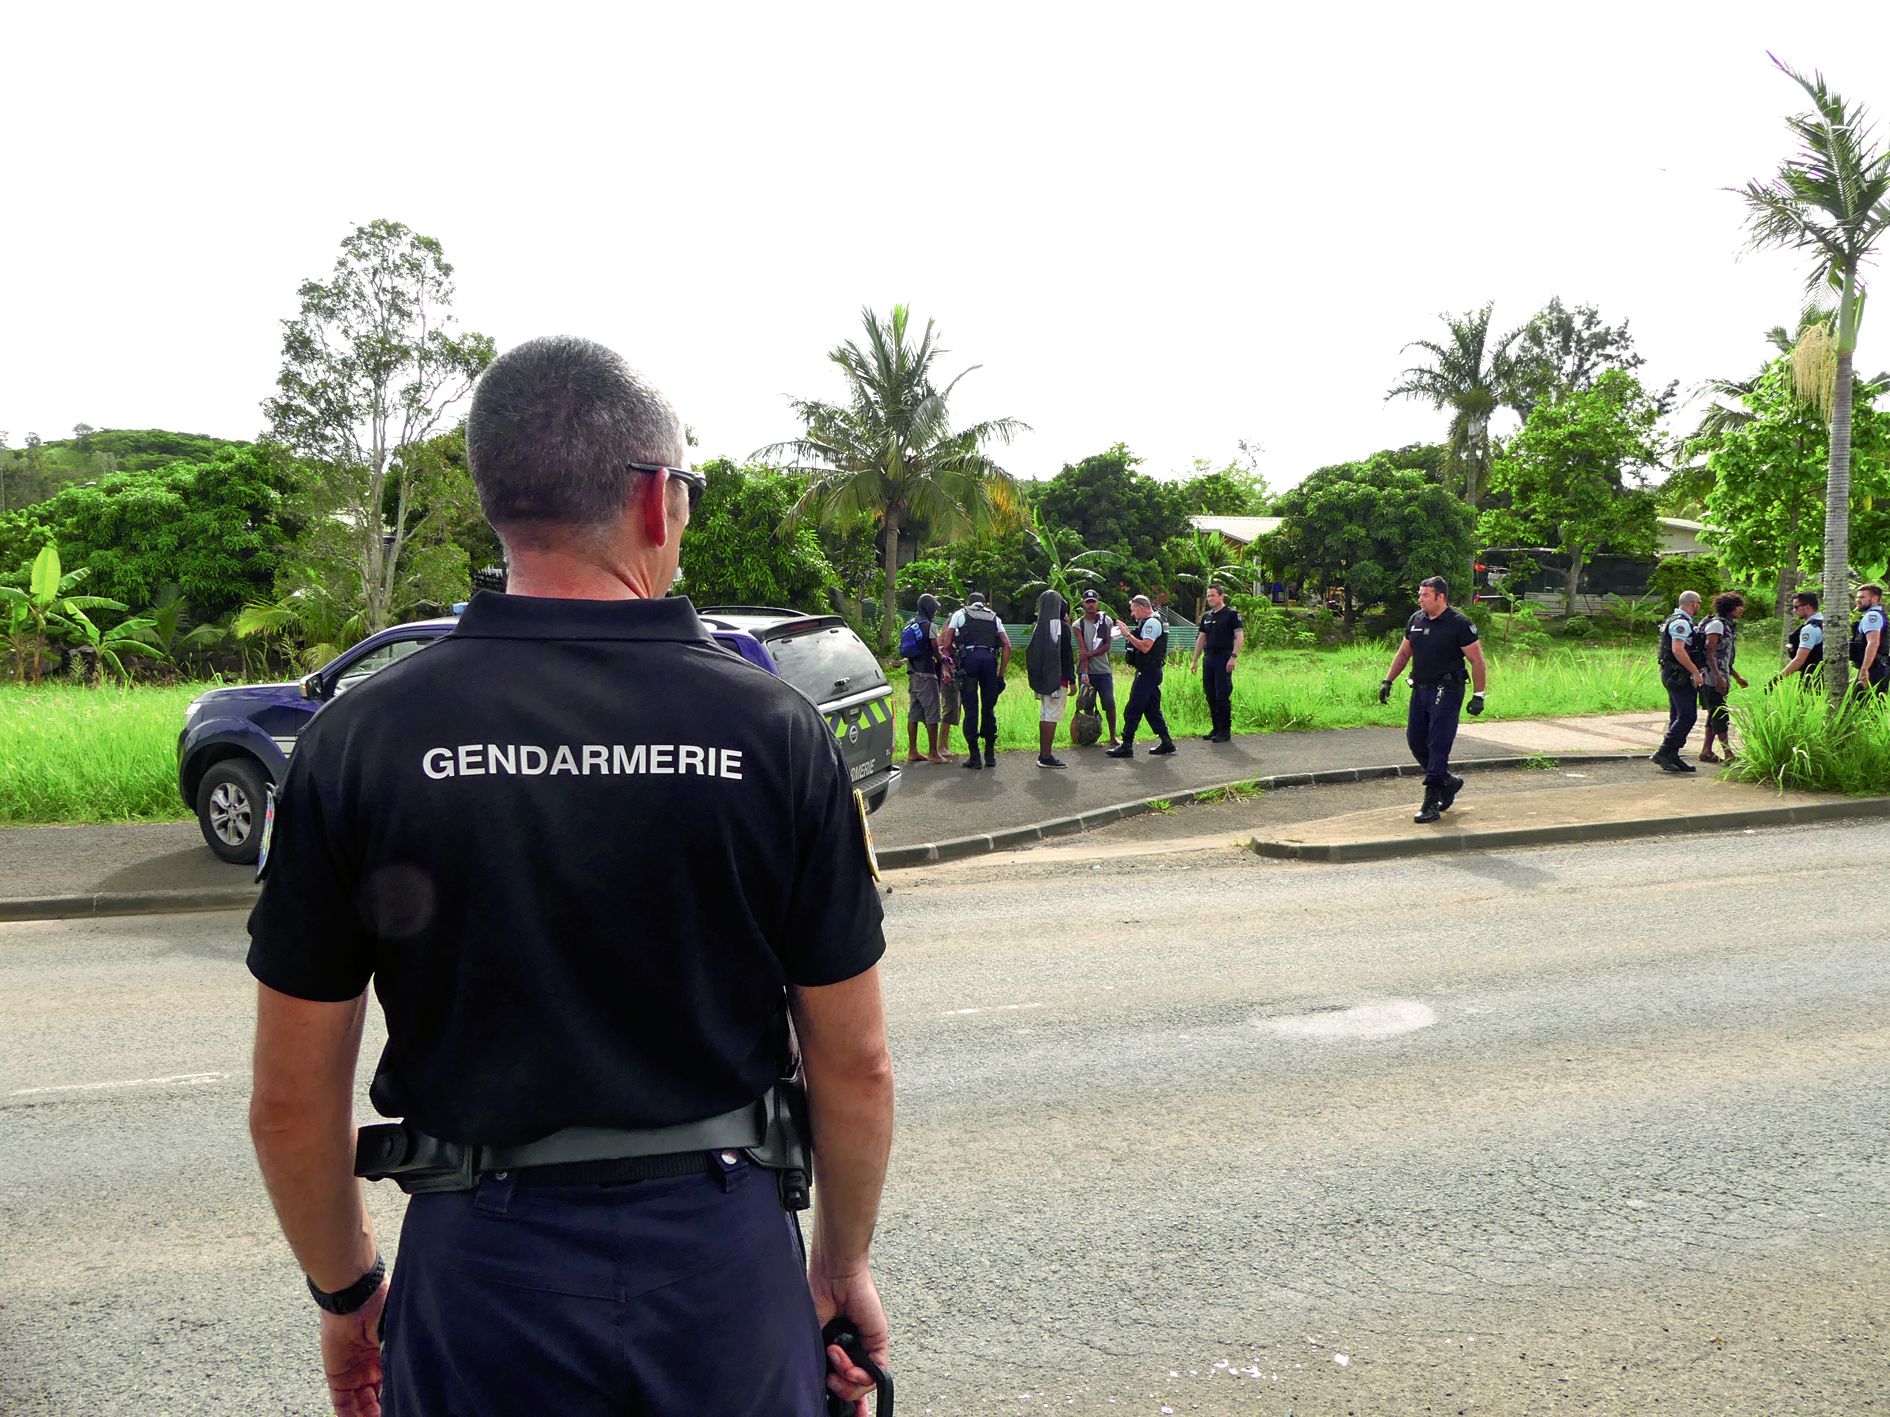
{"type": "Point", "coordinates": [912, 640]}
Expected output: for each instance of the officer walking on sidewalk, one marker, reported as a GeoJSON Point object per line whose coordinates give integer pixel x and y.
{"type": "Point", "coordinates": [976, 642]}
{"type": "Point", "coordinates": [1682, 677]}
{"type": "Point", "coordinates": [1148, 649]}
{"type": "Point", "coordinates": [592, 864]}
{"type": "Point", "coordinates": [1437, 641]}
{"type": "Point", "coordinates": [1870, 646]}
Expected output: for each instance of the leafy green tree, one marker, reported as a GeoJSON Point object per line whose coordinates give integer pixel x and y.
{"type": "Point", "coordinates": [1112, 507]}
{"type": "Point", "coordinates": [1066, 567]}
{"type": "Point", "coordinates": [1206, 558]}
{"type": "Point", "coordinates": [1235, 490]}
{"type": "Point", "coordinates": [740, 550]}
{"type": "Point", "coordinates": [1470, 375]}
{"type": "Point", "coordinates": [370, 367]}
{"type": "Point", "coordinates": [1370, 529]}
{"type": "Point", "coordinates": [890, 451]}
{"type": "Point", "coordinates": [1562, 350]}
{"type": "Point", "coordinates": [1572, 475]}
{"type": "Point", "coordinates": [1831, 201]}
{"type": "Point", "coordinates": [1768, 484]}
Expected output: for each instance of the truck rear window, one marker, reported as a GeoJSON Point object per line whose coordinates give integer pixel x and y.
{"type": "Point", "coordinates": [826, 664]}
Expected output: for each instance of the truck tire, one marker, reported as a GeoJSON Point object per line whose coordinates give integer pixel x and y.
{"type": "Point", "coordinates": [230, 804]}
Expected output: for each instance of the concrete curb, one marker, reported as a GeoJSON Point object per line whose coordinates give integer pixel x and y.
{"type": "Point", "coordinates": [107, 903]}
{"type": "Point", "coordinates": [1426, 843]}
{"type": "Point", "coordinates": [898, 858]}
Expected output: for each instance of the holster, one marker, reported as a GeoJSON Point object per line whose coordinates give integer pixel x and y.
{"type": "Point", "coordinates": [772, 1132]}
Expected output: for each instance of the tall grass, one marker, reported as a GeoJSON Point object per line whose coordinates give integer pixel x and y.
{"type": "Point", "coordinates": [1292, 691]}
{"type": "Point", "coordinates": [1792, 737]}
{"type": "Point", "coordinates": [70, 754]}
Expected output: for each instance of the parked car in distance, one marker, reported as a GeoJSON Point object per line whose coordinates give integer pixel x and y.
{"type": "Point", "coordinates": [822, 657]}
{"type": "Point", "coordinates": [236, 742]}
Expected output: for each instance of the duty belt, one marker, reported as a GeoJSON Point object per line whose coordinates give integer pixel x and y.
{"type": "Point", "coordinates": [772, 1131]}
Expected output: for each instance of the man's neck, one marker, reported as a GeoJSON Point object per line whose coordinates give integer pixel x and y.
{"type": "Point", "coordinates": [1433, 614]}
{"type": "Point", "coordinates": [562, 575]}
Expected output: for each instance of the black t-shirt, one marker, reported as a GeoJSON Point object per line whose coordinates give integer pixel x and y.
{"type": "Point", "coordinates": [580, 849]}
{"type": "Point", "coordinates": [1437, 647]}
{"type": "Point", "coordinates": [1217, 631]}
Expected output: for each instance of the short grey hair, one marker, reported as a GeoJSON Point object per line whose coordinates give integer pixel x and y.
{"type": "Point", "coordinates": [1689, 597]}
{"type": "Point", "coordinates": [554, 424]}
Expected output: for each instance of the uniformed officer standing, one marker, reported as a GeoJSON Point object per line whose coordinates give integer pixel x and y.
{"type": "Point", "coordinates": [591, 863]}
{"type": "Point", "coordinates": [1220, 641]}
{"type": "Point", "coordinates": [1147, 652]}
{"type": "Point", "coordinates": [1437, 641]}
{"type": "Point", "coordinates": [1682, 676]}
{"type": "Point", "coordinates": [1870, 646]}
{"type": "Point", "coordinates": [981, 652]}
{"type": "Point", "coordinates": [1805, 646]}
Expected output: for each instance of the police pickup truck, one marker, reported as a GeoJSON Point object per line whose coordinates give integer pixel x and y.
{"type": "Point", "coordinates": [236, 742]}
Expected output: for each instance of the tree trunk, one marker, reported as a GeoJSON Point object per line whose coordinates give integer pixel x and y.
{"type": "Point", "coordinates": [1573, 586]}
{"type": "Point", "coordinates": [1788, 578]}
{"type": "Point", "coordinates": [890, 605]}
{"type": "Point", "coordinates": [1837, 508]}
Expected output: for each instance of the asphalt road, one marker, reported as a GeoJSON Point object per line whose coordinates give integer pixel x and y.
{"type": "Point", "coordinates": [1545, 1131]}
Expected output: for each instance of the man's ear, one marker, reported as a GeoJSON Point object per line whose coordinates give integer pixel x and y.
{"type": "Point", "coordinates": [653, 495]}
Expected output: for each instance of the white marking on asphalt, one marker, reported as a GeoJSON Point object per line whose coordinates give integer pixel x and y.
{"type": "Point", "coordinates": [1385, 1020]}
{"type": "Point", "coordinates": [175, 1080]}
{"type": "Point", "coordinates": [994, 1009]}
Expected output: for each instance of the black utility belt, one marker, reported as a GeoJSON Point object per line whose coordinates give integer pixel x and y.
{"type": "Point", "coordinates": [772, 1132]}
{"type": "Point", "coordinates": [1440, 684]}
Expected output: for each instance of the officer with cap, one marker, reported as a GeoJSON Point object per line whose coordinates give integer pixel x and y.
{"type": "Point", "coordinates": [1437, 641]}
{"type": "Point", "coordinates": [592, 865]}
{"type": "Point", "coordinates": [980, 650]}
{"type": "Point", "coordinates": [1870, 646]}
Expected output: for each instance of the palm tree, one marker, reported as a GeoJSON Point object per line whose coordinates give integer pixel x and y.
{"type": "Point", "coordinates": [1830, 199]}
{"type": "Point", "coordinates": [1470, 376]}
{"type": "Point", "coordinates": [1061, 573]}
{"type": "Point", "coordinates": [890, 451]}
{"type": "Point", "coordinates": [1206, 558]}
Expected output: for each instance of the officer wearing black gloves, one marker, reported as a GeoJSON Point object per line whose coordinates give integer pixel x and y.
{"type": "Point", "coordinates": [592, 864]}
{"type": "Point", "coordinates": [1437, 641]}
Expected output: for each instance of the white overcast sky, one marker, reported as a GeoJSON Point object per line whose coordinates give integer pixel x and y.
{"type": "Point", "coordinates": [1174, 226]}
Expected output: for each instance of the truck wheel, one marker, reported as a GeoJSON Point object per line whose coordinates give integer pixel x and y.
{"type": "Point", "coordinates": [230, 804]}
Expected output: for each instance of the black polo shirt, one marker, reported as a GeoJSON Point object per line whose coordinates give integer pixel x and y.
{"type": "Point", "coordinates": [1437, 647]}
{"type": "Point", "coordinates": [1217, 631]}
{"type": "Point", "coordinates": [580, 849]}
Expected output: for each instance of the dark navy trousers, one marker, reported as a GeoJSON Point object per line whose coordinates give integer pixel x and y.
{"type": "Point", "coordinates": [1683, 711]}
{"type": "Point", "coordinates": [661, 1297]}
{"type": "Point", "coordinates": [978, 684]}
{"type": "Point", "coordinates": [1430, 727]}
{"type": "Point", "coordinates": [1145, 701]}
{"type": "Point", "coordinates": [1217, 683]}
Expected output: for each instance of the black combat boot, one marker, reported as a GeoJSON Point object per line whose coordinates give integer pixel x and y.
{"type": "Point", "coordinates": [990, 752]}
{"type": "Point", "coordinates": [971, 758]}
{"type": "Point", "coordinates": [1431, 810]}
{"type": "Point", "coordinates": [1448, 794]}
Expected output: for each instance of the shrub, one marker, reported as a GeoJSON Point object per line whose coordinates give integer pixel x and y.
{"type": "Point", "coordinates": [1268, 626]}
{"type": "Point", "coordinates": [1576, 627]}
{"type": "Point", "coordinates": [1674, 574]}
{"type": "Point", "coordinates": [1791, 737]}
{"type": "Point", "coordinates": [1324, 626]}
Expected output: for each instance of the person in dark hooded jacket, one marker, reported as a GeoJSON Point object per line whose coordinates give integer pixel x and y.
{"type": "Point", "coordinates": [1051, 662]}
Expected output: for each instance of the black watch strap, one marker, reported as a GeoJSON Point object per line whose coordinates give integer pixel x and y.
{"type": "Point", "coordinates": [346, 1301]}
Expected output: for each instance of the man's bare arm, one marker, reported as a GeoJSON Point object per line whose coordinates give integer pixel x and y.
{"type": "Point", "coordinates": [301, 1120]}
{"type": "Point", "coordinates": [1479, 671]}
{"type": "Point", "coordinates": [1399, 660]}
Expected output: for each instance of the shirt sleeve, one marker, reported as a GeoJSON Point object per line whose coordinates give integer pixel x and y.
{"type": "Point", "coordinates": [1234, 622]}
{"type": "Point", "coordinates": [834, 921]}
{"type": "Point", "coordinates": [307, 938]}
{"type": "Point", "coordinates": [1810, 637]}
{"type": "Point", "coordinates": [1467, 634]}
{"type": "Point", "coordinates": [957, 622]}
{"type": "Point", "coordinates": [1873, 619]}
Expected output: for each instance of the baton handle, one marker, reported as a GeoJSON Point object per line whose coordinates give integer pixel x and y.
{"type": "Point", "coordinates": [840, 1331]}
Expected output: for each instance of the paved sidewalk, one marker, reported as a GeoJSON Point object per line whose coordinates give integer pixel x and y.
{"type": "Point", "coordinates": [150, 866]}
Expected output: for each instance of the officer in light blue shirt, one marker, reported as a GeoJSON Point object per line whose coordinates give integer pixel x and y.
{"type": "Point", "coordinates": [1869, 652]}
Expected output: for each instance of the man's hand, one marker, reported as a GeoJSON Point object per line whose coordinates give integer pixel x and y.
{"type": "Point", "coordinates": [1740, 680]}
{"type": "Point", "coordinates": [853, 1295]}
{"type": "Point", "coordinates": [1476, 705]}
{"type": "Point", "coordinates": [1699, 680]}
{"type": "Point", "coordinates": [1384, 692]}
{"type": "Point", "coordinates": [351, 1358]}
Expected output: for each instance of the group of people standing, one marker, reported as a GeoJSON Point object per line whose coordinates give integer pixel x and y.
{"type": "Point", "coordinates": [958, 670]}
{"type": "Point", "coordinates": [1698, 664]}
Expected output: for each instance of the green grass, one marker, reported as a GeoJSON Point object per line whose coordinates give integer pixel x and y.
{"type": "Point", "coordinates": [1292, 691]}
{"type": "Point", "coordinates": [70, 754]}
{"type": "Point", "coordinates": [1791, 738]}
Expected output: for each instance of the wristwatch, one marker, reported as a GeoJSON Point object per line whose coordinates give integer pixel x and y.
{"type": "Point", "coordinates": [346, 1301]}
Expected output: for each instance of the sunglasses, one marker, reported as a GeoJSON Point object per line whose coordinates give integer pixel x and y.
{"type": "Point", "coordinates": [694, 481]}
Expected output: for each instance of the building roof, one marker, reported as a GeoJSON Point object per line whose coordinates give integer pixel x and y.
{"type": "Point", "coordinates": [1245, 530]}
